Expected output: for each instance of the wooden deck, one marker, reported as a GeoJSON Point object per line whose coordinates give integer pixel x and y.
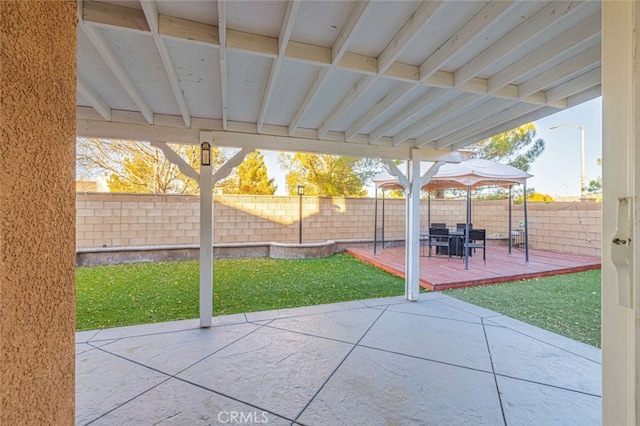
{"type": "Point", "coordinates": [440, 273]}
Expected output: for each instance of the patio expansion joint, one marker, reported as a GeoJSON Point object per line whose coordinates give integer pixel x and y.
{"type": "Point", "coordinates": [275, 327]}
{"type": "Point", "coordinates": [441, 317]}
{"type": "Point", "coordinates": [337, 367]}
{"type": "Point", "coordinates": [480, 370]}
{"type": "Point", "coordinates": [493, 371]}
{"type": "Point", "coordinates": [257, 407]}
{"type": "Point", "coordinates": [270, 320]}
{"type": "Point", "coordinates": [548, 385]}
{"type": "Point", "coordinates": [544, 341]}
{"type": "Point", "coordinates": [175, 376]}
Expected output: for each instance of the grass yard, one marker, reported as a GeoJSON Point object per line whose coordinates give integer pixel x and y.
{"type": "Point", "coordinates": [565, 304]}
{"type": "Point", "coordinates": [118, 295]}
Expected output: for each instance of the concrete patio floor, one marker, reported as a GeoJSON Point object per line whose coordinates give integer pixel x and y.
{"type": "Point", "coordinates": [438, 361]}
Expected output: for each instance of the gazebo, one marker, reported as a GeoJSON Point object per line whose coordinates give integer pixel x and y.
{"type": "Point", "coordinates": [469, 174]}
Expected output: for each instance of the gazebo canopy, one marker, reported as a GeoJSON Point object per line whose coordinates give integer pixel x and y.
{"type": "Point", "coordinates": [473, 172]}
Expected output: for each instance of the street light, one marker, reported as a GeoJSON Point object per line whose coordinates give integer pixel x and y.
{"type": "Point", "coordinates": [581, 127]}
{"type": "Point", "coordinates": [300, 193]}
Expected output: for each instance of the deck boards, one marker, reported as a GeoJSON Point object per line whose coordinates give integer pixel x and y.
{"type": "Point", "coordinates": [440, 273]}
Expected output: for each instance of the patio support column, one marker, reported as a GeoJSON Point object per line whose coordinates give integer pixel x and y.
{"type": "Point", "coordinates": [620, 259]}
{"type": "Point", "coordinates": [37, 212]}
{"type": "Point", "coordinates": [412, 238]}
{"type": "Point", "coordinates": [413, 184]}
{"type": "Point", "coordinates": [206, 238]}
{"type": "Point", "coordinates": [206, 180]}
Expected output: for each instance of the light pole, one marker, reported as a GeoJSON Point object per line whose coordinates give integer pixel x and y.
{"type": "Point", "coordinates": [300, 194]}
{"type": "Point", "coordinates": [581, 127]}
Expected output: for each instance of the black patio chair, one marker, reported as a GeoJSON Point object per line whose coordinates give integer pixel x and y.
{"type": "Point", "coordinates": [439, 225]}
{"type": "Point", "coordinates": [439, 238]}
{"type": "Point", "coordinates": [478, 240]}
{"type": "Point", "coordinates": [463, 226]}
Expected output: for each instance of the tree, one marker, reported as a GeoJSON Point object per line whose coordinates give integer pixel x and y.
{"type": "Point", "coordinates": [517, 147]}
{"type": "Point", "coordinates": [251, 177]}
{"type": "Point", "coordinates": [595, 185]}
{"type": "Point", "coordinates": [130, 166]}
{"type": "Point", "coordinates": [323, 175]}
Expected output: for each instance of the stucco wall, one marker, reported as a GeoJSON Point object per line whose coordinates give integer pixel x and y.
{"type": "Point", "coordinates": [122, 220]}
{"type": "Point", "coordinates": [37, 215]}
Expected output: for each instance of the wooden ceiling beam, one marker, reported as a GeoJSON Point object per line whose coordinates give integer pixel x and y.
{"type": "Point", "coordinates": [576, 36]}
{"type": "Point", "coordinates": [573, 67]}
{"type": "Point", "coordinates": [150, 10]}
{"type": "Point", "coordinates": [338, 56]}
{"type": "Point", "coordinates": [463, 102]}
{"type": "Point", "coordinates": [474, 28]}
{"type": "Point", "coordinates": [222, 53]}
{"type": "Point", "coordinates": [97, 103]}
{"type": "Point", "coordinates": [115, 65]}
{"type": "Point", "coordinates": [274, 72]}
{"type": "Point", "coordinates": [102, 14]}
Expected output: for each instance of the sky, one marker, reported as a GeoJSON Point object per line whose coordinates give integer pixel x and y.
{"type": "Point", "coordinates": [557, 171]}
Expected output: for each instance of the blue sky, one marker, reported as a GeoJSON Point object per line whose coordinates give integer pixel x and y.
{"type": "Point", "coordinates": [557, 170]}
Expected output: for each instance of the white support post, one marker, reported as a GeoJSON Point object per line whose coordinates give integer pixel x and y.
{"type": "Point", "coordinates": [412, 239]}
{"type": "Point", "coordinates": [206, 239]}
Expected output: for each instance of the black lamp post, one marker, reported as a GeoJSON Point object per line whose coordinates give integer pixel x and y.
{"type": "Point", "coordinates": [300, 194]}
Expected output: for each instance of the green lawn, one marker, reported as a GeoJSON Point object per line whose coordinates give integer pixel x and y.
{"type": "Point", "coordinates": [565, 304]}
{"type": "Point", "coordinates": [117, 295]}
{"type": "Point", "coordinates": [112, 296]}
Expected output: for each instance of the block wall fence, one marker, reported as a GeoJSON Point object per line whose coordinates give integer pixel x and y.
{"type": "Point", "coordinates": [128, 220]}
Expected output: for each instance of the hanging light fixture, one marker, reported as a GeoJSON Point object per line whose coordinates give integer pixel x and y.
{"type": "Point", "coordinates": [205, 154]}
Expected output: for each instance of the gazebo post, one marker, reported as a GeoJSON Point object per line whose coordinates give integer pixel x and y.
{"type": "Point", "coordinates": [383, 224]}
{"type": "Point", "coordinates": [466, 232]}
{"type": "Point", "coordinates": [375, 223]}
{"type": "Point", "coordinates": [510, 225]}
{"type": "Point", "coordinates": [428, 209]}
{"type": "Point", "coordinates": [526, 226]}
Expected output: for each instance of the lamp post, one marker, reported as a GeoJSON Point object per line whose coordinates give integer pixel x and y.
{"type": "Point", "coordinates": [581, 127]}
{"type": "Point", "coordinates": [300, 194]}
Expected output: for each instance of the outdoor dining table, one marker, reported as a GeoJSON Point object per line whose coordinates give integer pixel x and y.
{"type": "Point", "coordinates": [456, 244]}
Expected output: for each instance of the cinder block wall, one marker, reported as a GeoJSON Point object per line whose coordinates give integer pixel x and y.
{"type": "Point", "coordinates": [122, 220]}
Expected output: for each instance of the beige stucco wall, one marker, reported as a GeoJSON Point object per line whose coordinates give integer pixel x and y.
{"type": "Point", "coordinates": [122, 220]}
{"type": "Point", "coordinates": [37, 216]}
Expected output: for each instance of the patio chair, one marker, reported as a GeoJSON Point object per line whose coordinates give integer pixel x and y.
{"type": "Point", "coordinates": [463, 226]}
{"type": "Point", "coordinates": [478, 240]}
{"type": "Point", "coordinates": [439, 237]}
{"type": "Point", "coordinates": [439, 225]}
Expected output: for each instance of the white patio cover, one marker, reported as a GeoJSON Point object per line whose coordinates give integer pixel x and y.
{"type": "Point", "coordinates": [473, 172]}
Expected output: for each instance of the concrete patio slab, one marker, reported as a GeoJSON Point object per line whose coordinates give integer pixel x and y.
{"type": "Point", "coordinates": [436, 309]}
{"type": "Point", "coordinates": [104, 382]}
{"type": "Point", "coordinates": [346, 326]}
{"type": "Point", "coordinates": [166, 352]}
{"type": "Point", "coordinates": [277, 370]}
{"type": "Point", "coordinates": [175, 402]}
{"type": "Point", "coordinates": [374, 362]}
{"type": "Point", "coordinates": [389, 388]}
{"type": "Point", "coordinates": [445, 340]}
{"type": "Point", "coordinates": [527, 403]}
{"type": "Point", "coordinates": [519, 356]}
